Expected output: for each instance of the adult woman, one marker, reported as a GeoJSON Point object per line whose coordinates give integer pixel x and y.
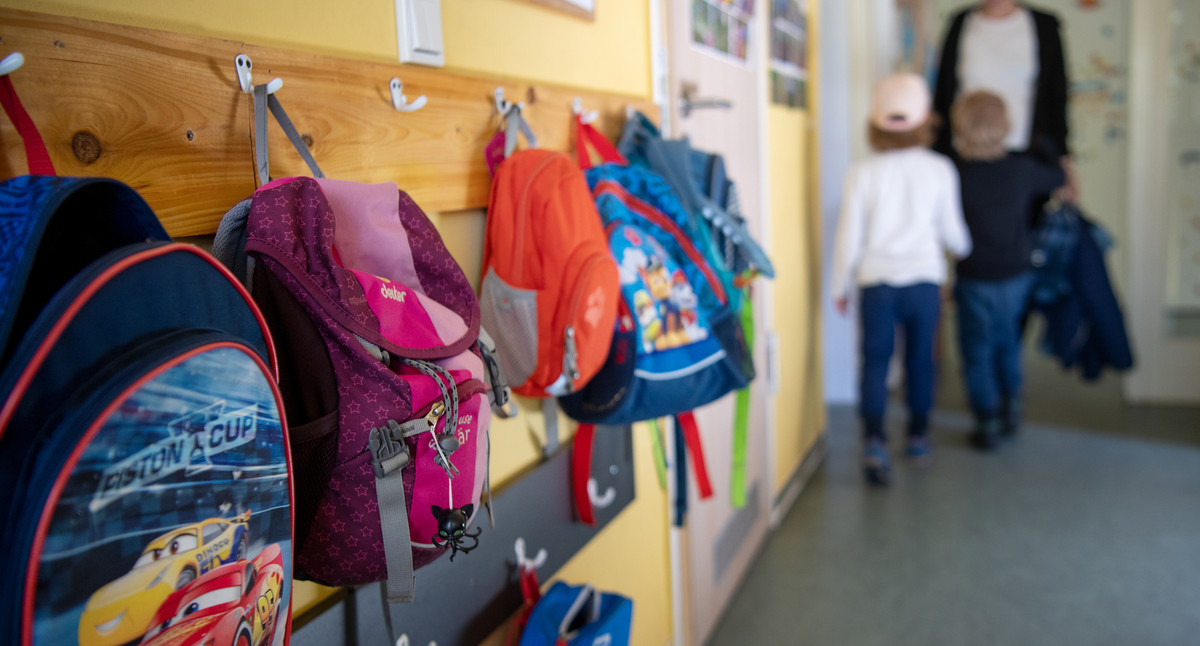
{"type": "Point", "coordinates": [1016, 52]}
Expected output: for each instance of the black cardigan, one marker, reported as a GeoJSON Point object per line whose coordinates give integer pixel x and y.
{"type": "Point", "coordinates": [1048, 135]}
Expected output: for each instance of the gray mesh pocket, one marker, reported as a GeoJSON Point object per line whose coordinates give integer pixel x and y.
{"type": "Point", "coordinates": [510, 315]}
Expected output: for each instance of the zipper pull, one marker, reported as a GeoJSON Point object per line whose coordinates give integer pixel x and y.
{"type": "Point", "coordinates": [446, 441]}
{"type": "Point", "coordinates": [570, 357]}
{"type": "Point", "coordinates": [435, 414]}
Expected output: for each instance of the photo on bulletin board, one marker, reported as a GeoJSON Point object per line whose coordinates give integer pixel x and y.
{"type": "Point", "coordinates": [789, 53]}
{"type": "Point", "coordinates": [723, 26]}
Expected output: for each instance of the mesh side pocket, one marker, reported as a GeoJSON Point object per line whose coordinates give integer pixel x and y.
{"type": "Point", "coordinates": [314, 454]}
{"type": "Point", "coordinates": [510, 316]}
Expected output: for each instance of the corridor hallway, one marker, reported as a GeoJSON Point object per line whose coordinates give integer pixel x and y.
{"type": "Point", "coordinates": [1084, 531]}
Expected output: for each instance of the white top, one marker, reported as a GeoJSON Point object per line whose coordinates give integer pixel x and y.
{"type": "Point", "coordinates": [900, 213]}
{"type": "Point", "coordinates": [1001, 55]}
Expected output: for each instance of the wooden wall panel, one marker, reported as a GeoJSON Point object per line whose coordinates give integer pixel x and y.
{"type": "Point", "coordinates": [172, 122]}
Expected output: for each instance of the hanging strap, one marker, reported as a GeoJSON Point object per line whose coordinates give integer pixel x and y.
{"type": "Point", "coordinates": [514, 122]}
{"type": "Point", "coordinates": [691, 434]}
{"type": "Point", "coordinates": [550, 413]}
{"type": "Point", "coordinates": [531, 593]}
{"type": "Point", "coordinates": [35, 149]}
{"type": "Point", "coordinates": [681, 481]}
{"type": "Point", "coordinates": [390, 455]}
{"type": "Point", "coordinates": [587, 135]}
{"type": "Point", "coordinates": [263, 102]}
{"type": "Point", "coordinates": [741, 418]}
{"type": "Point", "coordinates": [660, 456]}
{"type": "Point", "coordinates": [581, 472]}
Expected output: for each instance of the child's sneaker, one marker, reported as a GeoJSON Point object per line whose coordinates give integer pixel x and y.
{"type": "Point", "coordinates": [987, 433]}
{"type": "Point", "coordinates": [1011, 414]}
{"type": "Point", "coordinates": [918, 450]}
{"type": "Point", "coordinates": [876, 466]}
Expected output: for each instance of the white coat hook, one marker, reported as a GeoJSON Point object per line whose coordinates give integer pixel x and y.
{"type": "Point", "coordinates": [629, 111]}
{"type": "Point", "coordinates": [504, 106]}
{"type": "Point", "coordinates": [400, 102]}
{"type": "Point", "coordinates": [525, 563]}
{"type": "Point", "coordinates": [245, 79]}
{"type": "Point", "coordinates": [11, 63]}
{"type": "Point", "coordinates": [584, 117]}
{"type": "Point", "coordinates": [599, 501]}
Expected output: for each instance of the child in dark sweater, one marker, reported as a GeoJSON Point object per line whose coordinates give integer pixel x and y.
{"type": "Point", "coordinates": [1001, 195]}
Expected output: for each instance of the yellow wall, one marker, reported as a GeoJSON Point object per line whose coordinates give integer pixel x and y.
{"type": "Point", "coordinates": [513, 38]}
{"type": "Point", "coordinates": [502, 37]}
{"type": "Point", "coordinates": [496, 37]}
{"type": "Point", "coordinates": [793, 320]}
{"type": "Point", "coordinates": [795, 249]}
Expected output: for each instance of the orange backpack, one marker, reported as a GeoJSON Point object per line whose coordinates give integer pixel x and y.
{"type": "Point", "coordinates": [550, 289]}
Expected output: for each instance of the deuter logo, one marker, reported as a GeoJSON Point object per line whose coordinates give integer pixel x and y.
{"type": "Point", "coordinates": [392, 293]}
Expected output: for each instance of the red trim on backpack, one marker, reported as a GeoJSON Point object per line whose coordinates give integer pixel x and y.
{"type": "Point", "coordinates": [658, 219]}
{"type": "Point", "coordinates": [691, 435]}
{"type": "Point", "coordinates": [35, 149]}
{"type": "Point", "coordinates": [581, 472]}
{"type": "Point", "coordinates": [64, 474]}
{"type": "Point", "coordinates": [60, 326]}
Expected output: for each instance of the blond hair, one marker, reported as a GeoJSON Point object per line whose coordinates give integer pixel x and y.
{"type": "Point", "coordinates": [980, 124]}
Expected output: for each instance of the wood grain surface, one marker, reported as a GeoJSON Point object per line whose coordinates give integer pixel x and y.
{"type": "Point", "coordinates": [171, 121]}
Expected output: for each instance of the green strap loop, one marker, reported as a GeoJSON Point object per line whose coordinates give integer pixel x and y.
{"type": "Point", "coordinates": [660, 454]}
{"type": "Point", "coordinates": [741, 416]}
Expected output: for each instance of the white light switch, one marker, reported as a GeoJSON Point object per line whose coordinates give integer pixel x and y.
{"type": "Point", "coordinates": [419, 32]}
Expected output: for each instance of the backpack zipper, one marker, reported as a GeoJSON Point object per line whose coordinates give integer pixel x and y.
{"type": "Point", "coordinates": [570, 362]}
{"type": "Point", "coordinates": [656, 218]}
{"type": "Point", "coordinates": [519, 243]}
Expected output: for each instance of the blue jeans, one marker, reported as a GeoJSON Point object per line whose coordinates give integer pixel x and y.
{"type": "Point", "coordinates": [989, 337]}
{"type": "Point", "coordinates": [916, 309]}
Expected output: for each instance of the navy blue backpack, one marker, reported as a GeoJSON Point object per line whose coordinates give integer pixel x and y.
{"type": "Point", "coordinates": [143, 457]}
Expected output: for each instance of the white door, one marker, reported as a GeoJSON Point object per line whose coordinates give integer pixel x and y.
{"type": "Point", "coordinates": [714, 52]}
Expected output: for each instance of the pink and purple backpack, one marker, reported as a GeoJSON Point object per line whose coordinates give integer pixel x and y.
{"type": "Point", "coordinates": [381, 372]}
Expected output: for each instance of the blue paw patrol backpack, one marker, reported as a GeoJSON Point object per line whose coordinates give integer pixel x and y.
{"type": "Point", "coordinates": [677, 343]}
{"type": "Point", "coordinates": [144, 487]}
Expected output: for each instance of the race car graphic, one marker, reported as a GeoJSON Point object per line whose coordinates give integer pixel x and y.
{"type": "Point", "coordinates": [234, 605]}
{"type": "Point", "coordinates": [121, 611]}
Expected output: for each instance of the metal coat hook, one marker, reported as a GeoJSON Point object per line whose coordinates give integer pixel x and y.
{"type": "Point", "coordinates": [400, 102]}
{"type": "Point", "coordinates": [503, 106]}
{"type": "Point", "coordinates": [11, 63]}
{"type": "Point", "coordinates": [523, 562]}
{"type": "Point", "coordinates": [584, 117]}
{"type": "Point", "coordinates": [243, 64]}
{"type": "Point", "coordinates": [600, 501]}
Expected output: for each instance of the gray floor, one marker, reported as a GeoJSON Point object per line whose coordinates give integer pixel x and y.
{"type": "Point", "coordinates": [1085, 531]}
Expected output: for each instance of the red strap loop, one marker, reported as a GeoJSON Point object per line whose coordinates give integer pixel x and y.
{"type": "Point", "coordinates": [691, 434]}
{"type": "Point", "coordinates": [35, 148]}
{"type": "Point", "coordinates": [586, 135]}
{"type": "Point", "coordinates": [581, 472]}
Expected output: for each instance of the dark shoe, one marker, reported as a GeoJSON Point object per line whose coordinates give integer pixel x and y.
{"type": "Point", "coordinates": [987, 434]}
{"type": "Point", "coordinates": [918, 450]}
{"type": "Point", "coordinates": [876, 466]}
{"type": "Point", "coordinates": [1011, 414]}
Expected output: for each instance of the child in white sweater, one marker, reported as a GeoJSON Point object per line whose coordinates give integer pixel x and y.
{"type": "Point", "coordinates": [900, 214]}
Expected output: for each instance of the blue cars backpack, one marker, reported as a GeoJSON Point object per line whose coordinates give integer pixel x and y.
{"type": "Point", "coordinates": [144, 470]}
